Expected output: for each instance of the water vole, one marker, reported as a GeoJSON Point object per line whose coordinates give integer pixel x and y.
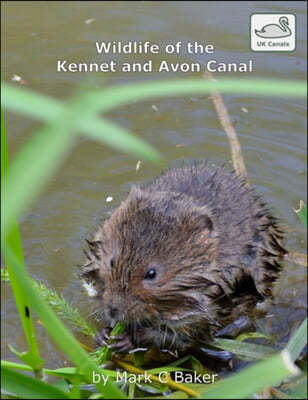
{"type": "Point", "coordinates": [183, 257]}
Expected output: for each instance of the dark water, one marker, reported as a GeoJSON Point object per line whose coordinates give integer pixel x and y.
{"type": "Point", "coordinates": [272, 131]}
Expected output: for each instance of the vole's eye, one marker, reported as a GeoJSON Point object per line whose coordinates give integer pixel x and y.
{"type": "Point", "coordinates": [150, 274]}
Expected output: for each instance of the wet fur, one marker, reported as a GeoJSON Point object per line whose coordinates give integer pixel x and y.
{"type": "Point", "coordinates": [214, 245]}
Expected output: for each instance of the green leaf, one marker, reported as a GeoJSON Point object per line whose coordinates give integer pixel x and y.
{"type": "Point", "coordinates": [65, 310]}
{"type": "Point", "coordinates": [252, 379]}
{"type": "Point", "coordinates": [138, 358]}
{"type": "Point", "coordinates": [251, 335]}
{"type": "Point", "coordinates": [301, 212]}
{"type": "Point", "coordinates": [244, 350]}
{"type": "Point", "coordinates": [42, 155]}
{"type": "Point", "coordinates": [4, 275]}
{"type": "Point", "coordinates": [30, 103]}
{"type": "Point", "coordinates": [65, 372]}
{"type": "Point", "coordinates": [103, 353]}
{"type": "Point", "coordinates": [119, 138]}
{"type": "Point", "coordinates": [177, 395]}
{"type": "Point", "coordinates": [298, 389]}
{"type": "Point", "coordinates": [46, 109]}
{"type": "Point", "coordinates": [113, 97]}
{"type": "Point", "coordinates": [10, 236]}
{"type": "Point", "coordinates": [60, 333]}
{"type": "Point", "coordinates": [29, 358]}
{"type": "Point", "coordinates": [156, 371]}
{"type": "Point", "coordinates": [25, 387]}
{"type": "Point", "coordinates": [298, 341]}
{"type": "Point", "coordinates": [61, 307]}
{"type": "Point", "coordinates": [35, 162]}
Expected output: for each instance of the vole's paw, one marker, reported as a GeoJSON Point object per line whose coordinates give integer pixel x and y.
{"type": "Point", "coordinates": [103, 336]}
{"type": "Point", "coordinates": [241, 325]}
{"type": "Point", "coordinates": [124, 343]}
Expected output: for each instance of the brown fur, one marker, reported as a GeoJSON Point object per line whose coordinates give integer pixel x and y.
{"type": "Point", "coordinates": [213, 244]}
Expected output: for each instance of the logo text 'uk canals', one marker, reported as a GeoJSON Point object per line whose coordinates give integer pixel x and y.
{"type": "Point", "coordinates": [272, 32]}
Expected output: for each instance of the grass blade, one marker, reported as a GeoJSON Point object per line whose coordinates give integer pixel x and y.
{"type": "Point", "coordinates": [27, 102]}
{"type": "Point", "coordinates": [247, 350]}
{"type": "Point", "coordinates": [32, 167]}
{"type": "Point", "coordinates": [265, 373]}
{"type": "Point", "coordinates": [298, 341]}
{"type": "Point", "coordinates": [25, 387]}
{"type": "Point", "coordinates": [115, 136]}
{"type": "Point", "coordinates": [60, 333]}
{"type": "Point", "coordinates": [301, 212]}
{"type": "Point", "coordinates": [35, 162]}
{"type": "Point", "coordinates": [47, 109]}
{"type": "Point", "coordinates": [124, 94]}
{"type": "Point", "coordinates": [11, 237]}
{"type": "Point", "coordinates": [56, 139]}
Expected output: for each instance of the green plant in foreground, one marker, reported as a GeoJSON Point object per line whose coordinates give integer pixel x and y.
{"type": "Point", "coordinates": [65, 311]}
{"type": "Point", "coordinates": [35, 163]}
{"type": "Point", "coordinates": [10, 238]}
{"type": "Point", "coordinates": [301, 212]}
{"type": "Point", "coordinates": [31, 169]}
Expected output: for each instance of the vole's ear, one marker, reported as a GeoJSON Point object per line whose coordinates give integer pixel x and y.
{"type": "Point", "coordinates": [197, 228]}
{"type": "Point", "coordinates": [203, 220]}
{"type": "Point", "coordinates": [198, 218]}
{"type": "Point", "coordinates": [89, 271]}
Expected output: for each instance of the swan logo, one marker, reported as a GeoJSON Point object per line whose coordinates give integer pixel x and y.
{"type": "Point", "coordinates": [272, 32]}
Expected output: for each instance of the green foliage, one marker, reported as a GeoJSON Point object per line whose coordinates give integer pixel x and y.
{"type": "Point", "coordinates": [245, 351]}
{"type": "Point", "coordinates": [255, 378]}
{"type": "Point", "coordinates": [59, 332]}
{"type": "Point", "coordinates": [302, 212]}
{"type": "Point", "coordinates": [25, 387]}
{"type": "Point", "coordinates": [10, 238]}
{"type": "Point", "coordinates": [65, 311]}
{"type": "Point", "coordinates": [103, 354]}
{"type": "Point", "coordinates": [21, 183]}
{"type": "Point", "coordinates": [4, 275]}
{"type": "Point", "coordinates": [35, 162]}
{"type": "Point", "coordinates": [60, 306]}
{"type": "Point", "coordinates": [298, 341]}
